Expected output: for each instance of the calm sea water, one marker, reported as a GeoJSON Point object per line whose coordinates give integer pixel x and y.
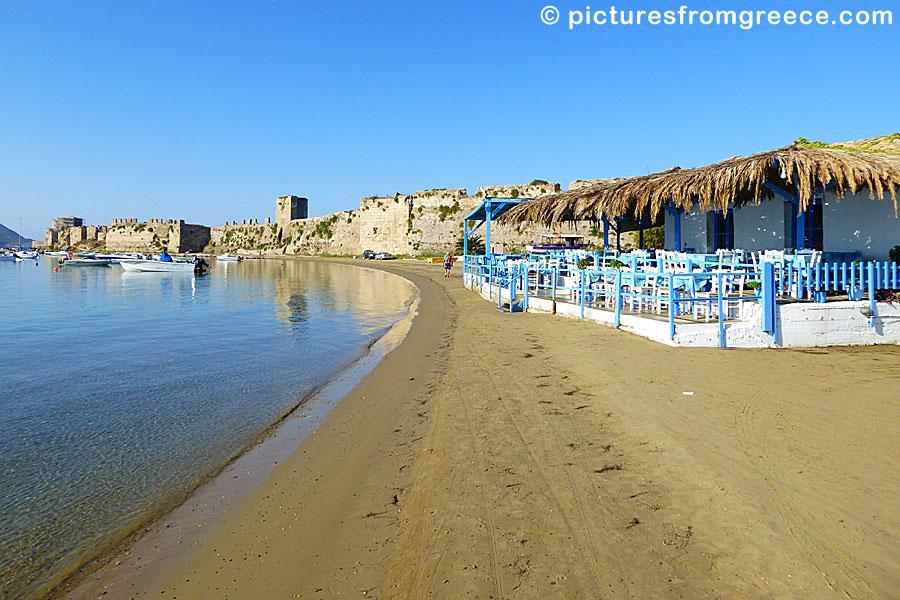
{"type": "Point", "coordinates": [120, 392]}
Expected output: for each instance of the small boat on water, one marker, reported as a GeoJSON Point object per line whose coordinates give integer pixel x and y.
{"type": "Point", "coordinates": [7, 256]}
{"type": "Point", "coordinates": [87, 262]}
{"type": "Point", "coordinates": [57, 253]}
{"type": "Point", "coordinates": [197, 265]}
{"type": "Point", "coordinates": [23, 254]}
{"type": "Point", "coordinates": [229, 258]}
{"type": "Point", "coordinates": [554, 242]}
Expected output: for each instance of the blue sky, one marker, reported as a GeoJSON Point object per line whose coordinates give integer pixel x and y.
{"type": "Point", "coordinates": [208, 111]}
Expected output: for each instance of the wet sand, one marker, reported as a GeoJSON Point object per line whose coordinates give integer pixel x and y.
{"type": "Point", "coordinates": [531, 456]}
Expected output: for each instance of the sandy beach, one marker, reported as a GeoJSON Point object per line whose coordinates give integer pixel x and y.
{"type": "Point", "coordinates": [532, 456]}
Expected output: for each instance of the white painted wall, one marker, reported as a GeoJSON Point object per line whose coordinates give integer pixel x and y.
{"type": "Point", "coordinates": [858, 223]}
{"type": "Point", "coordinates": [760, 227]}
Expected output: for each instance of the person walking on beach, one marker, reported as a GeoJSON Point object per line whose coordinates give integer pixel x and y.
{"type": "Point", "coordinates": [448, 264]}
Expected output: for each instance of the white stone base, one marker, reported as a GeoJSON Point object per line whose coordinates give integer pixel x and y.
{"type": "Point", "coordinates": [799, 325]}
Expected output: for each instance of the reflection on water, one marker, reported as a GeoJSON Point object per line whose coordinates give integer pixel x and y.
{"type": "Point", "coordinates": [121, 391]}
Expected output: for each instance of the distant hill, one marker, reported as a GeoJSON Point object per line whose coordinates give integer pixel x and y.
{"type": "Point", "coordinates": [10, 239]}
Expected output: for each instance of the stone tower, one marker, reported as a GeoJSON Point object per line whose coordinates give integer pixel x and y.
{"type": "Point", "coordinates": [290, 208]}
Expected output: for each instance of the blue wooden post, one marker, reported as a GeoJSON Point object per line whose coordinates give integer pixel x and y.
{"type": "Point", "coordinates": [554, 284]}
{"type": "Point", "coordinates": [487, 227]}
{"type": "Point", "coordinates": [618, 236]}
{"type": "Point", "coordinates": [721, 314]}
{"type": "Point", "coordinates": [872, 304]}
{"type": "Point", "coordinates": [641, 234]}
{"type": "Point", "coordinates": [605, 235]}
{"type": "Point", "coordinates": [512, 288]}
{"type": "Point", "coordinates": [677, 231]}
{"type": "Point", "coordinates": [671, 307]}
{"type": "Point", "coordinates": [582, 294]}
{"type": "Point", "coordinates": [618, 297]}
{"type": "Point", "coordinates": [465, 241]}
{"type": "Point", "coordinates": [490, 282]}
{"type": "Point", "coordinates": [768, 297]}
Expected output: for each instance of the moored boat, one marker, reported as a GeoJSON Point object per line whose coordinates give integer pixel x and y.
{"type": "Point", "coordinates": [87, 262]}
{"type": "Point", "coordinates": [229, 258]}
{"type": "Point", "coordinates": [197, 265]}
{"type": "Point", "coordinates": [22, 254]}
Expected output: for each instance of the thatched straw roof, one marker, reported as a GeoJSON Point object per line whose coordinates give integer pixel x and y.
{"type": "Point", "coordinates": [798, 169]}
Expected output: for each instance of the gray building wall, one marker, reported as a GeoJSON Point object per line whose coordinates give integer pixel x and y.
{"type": "Point", "coordinates": [860, 224]}
{"type": "Point", "coordinates": [760, 227]}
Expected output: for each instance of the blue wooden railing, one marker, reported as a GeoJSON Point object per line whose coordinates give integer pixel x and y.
{"type": "Point", "coordinates": [514, 275]}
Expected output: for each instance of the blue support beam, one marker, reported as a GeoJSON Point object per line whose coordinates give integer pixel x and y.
{"type": "Point", "coordinates": [618, 239]}
{"type": "Point", "coordinates": [605, 234]}
{"type": "Point", "coordinates": [465, 238]}
{"type": "Point", "coordinates": [484, 214]}
{"type": "Point", "coordinates": [487, 227]}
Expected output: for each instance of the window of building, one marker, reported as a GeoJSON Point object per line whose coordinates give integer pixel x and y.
{"type": "Point", "coordinates": [813, 229]}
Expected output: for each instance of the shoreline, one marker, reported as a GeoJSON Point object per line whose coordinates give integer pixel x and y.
{"type": "Point", "coordinates": [522, 456]}
{"type": "Point", "coordinates": [165, 539]}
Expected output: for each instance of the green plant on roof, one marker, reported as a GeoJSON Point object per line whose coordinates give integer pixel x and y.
{"type": "Point", "coordinates": [514, 193]}
{"type": "Point", "coordinates": [867, 147]}
{"type": "Point", "coordinates": [539, 182]}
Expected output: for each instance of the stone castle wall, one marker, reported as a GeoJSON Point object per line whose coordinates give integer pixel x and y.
{"type": "Point", "coordinates": [425, 222]}
{"type": "Point", "coordinates": [127, 235]}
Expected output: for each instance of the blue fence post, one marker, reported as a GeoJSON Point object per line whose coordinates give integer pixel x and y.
{"type": "Point", "coordinates": [525, 305]}
{"type": "Point", "coordinates": [512, 287]}
{"type": "Point", "coordinates": [768, 297]}
{"type": "Point", "coordinates": [554, 274]}
{"type": "Point", "coordinates": [583, 276]}
{"type": "Point", "coordinates": [671, 306]}
{"type": "Point", "coordinates": [618, 297]}
{"type": "Point", "coordinates": [490, 282]}
{"type": "Point", "coordinates": [721, 314]}
{"type": "Point", "coordinates": [872, 304]}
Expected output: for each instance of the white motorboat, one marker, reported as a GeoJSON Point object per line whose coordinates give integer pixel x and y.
{"type": "Point", "coordinates": [25, 254]}
{"type": "Point", "coordinates": [87, 262]}
{"type": "Point", "coordinates": [57, 253]}
{"type": "Point", "coordinates": [7, 256]}
{"type": "Point", "coordinates": [229, 258]}
{"type": "Point", "coordinates": [158, 266]}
